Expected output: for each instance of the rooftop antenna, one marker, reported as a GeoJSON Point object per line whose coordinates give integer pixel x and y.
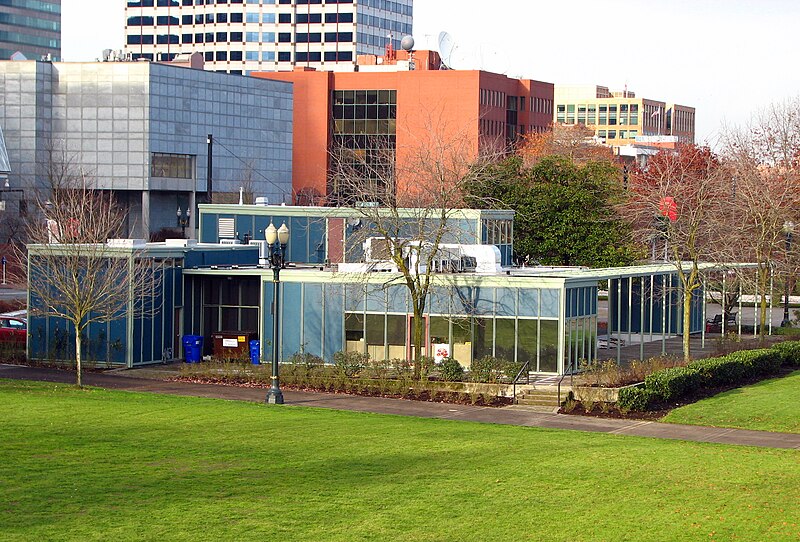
{"type": "Point", "coordinates": [390, 53]}
{"type": "Point", "coordinates": [407, 44]}
{"type": "Point", "coordinates": [446, 48]}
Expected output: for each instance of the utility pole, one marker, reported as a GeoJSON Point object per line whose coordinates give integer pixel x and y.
{"type": "Point", "coordinates": [209, 167]}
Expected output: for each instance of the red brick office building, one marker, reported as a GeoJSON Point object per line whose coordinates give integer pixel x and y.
{"type": "Point", "coordinates": [397, 99]}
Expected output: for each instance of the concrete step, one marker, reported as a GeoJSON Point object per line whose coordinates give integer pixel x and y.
{"type": "Point", "coordinates": [536, 408]}
{"type": "Point", "coordinates": [538, 401]}
{"type": "Point", "coordinates": [540, 396]}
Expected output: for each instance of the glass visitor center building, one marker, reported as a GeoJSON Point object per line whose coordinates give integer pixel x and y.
{"type": "Point", "coordinates": [547, 317]}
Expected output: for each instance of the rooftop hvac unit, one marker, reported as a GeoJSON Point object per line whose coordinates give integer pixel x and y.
{"type": "Point", "coordinates": [229, 242]}
{"type": "Point", "coordinates": [262, 201]}
{"type": "Point", "coordinates": [263, 250]}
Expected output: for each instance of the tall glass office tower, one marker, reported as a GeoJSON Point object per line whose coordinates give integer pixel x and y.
{"type": "Point", "coordinates": [31, 27]}
{"type": "Point", "coordinates": [239, 36]}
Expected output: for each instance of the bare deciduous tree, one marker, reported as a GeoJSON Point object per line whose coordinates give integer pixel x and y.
{"type": "Point", "coordinates": [412, 206]}
{"type": "Point", "coordinates": [677, 201]}
{"type": "Point", "coordinates": [74, 273]}
{"type": "Point", "coordinates": [575, 142]}
{"type": "Point", "coordinates": [761, 161]}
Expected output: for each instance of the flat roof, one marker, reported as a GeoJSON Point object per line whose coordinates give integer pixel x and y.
{"type": "Point", "coordinates": [340, 212]}
{"type": "Point", "coordinates": [531, 276]}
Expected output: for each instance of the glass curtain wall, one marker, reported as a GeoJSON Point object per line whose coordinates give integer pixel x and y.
{"type": "Point", "coordinates": [467, 323]}
{"type": "Point", "coordinates": [580, 327]}
{"type": "Point", "coordinates": [364, 131]}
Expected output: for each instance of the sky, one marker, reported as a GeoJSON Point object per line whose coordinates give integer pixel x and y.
{"type": "Point", "coordinates": [727, 58]}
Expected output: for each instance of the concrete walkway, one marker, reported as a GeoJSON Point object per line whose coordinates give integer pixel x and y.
{"type": "Point", "coordinates": [513, 415]}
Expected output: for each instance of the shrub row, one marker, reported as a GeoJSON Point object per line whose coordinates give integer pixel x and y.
{"type": "Point", "coordinates": [791, 351]}
{"type": "Point", "coordinates": [675, 382]}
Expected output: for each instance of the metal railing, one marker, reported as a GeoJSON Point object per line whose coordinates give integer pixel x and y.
{"type": "Point", "coordinates": [524, 369]}
{"type": "Point", "coordinates": [571, 380]}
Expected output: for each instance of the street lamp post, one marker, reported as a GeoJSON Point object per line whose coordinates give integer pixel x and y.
{"type": "Point", "coordinates": [788, 228]}
{"type": "Point", "coordinates": [276, 240]}
{"type": "Point", "coordinates": [183, 221]}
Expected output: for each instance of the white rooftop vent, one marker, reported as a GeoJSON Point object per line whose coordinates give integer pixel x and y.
{"type": "Point", "coordinates": [127, 243]}
{"type": "Point", "coordinates": [180, 242]}
{"type": "Point", "coordinates": [262, 201]}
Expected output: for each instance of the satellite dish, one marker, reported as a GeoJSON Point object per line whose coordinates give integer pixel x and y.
{"type": "Point", "coordinates": [18, 56]}
{"type": "Point", "coordinates": [407, 43]}
{"type": "Point", "coordinates": [446, 47]}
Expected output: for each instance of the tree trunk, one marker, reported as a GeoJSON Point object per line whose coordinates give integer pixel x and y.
{"type": "Point", "coordinates": [78, 355]}
{"type": "Point", "coordinates": [419, 338]}
{"type": "Point", "coordinates": [763, 281]}
{"type": "Point", "coordinates": [687, 323]}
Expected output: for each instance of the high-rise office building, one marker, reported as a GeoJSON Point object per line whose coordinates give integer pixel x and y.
{"type": "Point", "coordinates": [31, 27]}
{"type": "Point", "coordinates": [239, 36]}
{"type": "Point", "coordinates": [620, 117]}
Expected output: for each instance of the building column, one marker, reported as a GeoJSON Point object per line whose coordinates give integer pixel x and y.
{"type": "Point", "coordinates": [193, 217]}
{"type": "Point", "coordinates": [145, 223]}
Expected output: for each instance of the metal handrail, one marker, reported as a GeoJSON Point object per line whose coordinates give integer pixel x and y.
{"type": "Point", "coordinates": [514, 382]}
{"type": "Point", "coordinates": [571, 381]}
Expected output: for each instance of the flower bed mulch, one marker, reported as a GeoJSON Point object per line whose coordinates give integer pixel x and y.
{"type": "Point", "coordinates": [428, 395]}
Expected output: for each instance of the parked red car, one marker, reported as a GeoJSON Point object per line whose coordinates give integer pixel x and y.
{"type": "Point", "coordinates": [13, 331]}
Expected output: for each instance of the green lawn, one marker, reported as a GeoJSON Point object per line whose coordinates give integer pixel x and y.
{"type": "Point", "coordinates": [771, 405]}
{"type": "Point", "coordinates": [105, 465]}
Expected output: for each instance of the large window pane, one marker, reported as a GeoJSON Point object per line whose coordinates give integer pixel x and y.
{"type": "Point", "coordinates": [230, 319]}
{"type": "Point", "coordinates": [249, 320]}
{"type": "Point", "coordinates": [396, 336]}
{"type": "Point", "coordinates": [354, 332]}
{"type": "Point", "coordinates": [506, 302]}
{"type": "Point", "coordinates": [504, 337]}
{"type": "Point", "coordinates": [483, 329]}
{"type": "Point", "coordinates": [462, 340]}
{"type": "Point", "coordinates": [527, 342]}
{"type": "Point", "coordinates": [548, 354]}
{"type": "Point", "coordinates": [528, 302]}
{"type": "Point", "coordinates": [439, 330]}
{"type": "Point", "coordinates": [376, 328]}
{"type": "Point", "coordinates": [549, 305]}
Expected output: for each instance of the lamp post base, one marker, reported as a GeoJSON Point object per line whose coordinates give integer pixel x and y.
{"type": "Point", "coordinates": [274, 395]}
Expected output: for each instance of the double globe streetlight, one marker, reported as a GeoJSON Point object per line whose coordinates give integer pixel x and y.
{"type": "Point", "coordinates": [183, 221]}
{"type": "Point", "coordinates": [277, 239]}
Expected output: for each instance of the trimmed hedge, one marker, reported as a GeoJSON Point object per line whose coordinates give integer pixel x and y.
{"type": "Point", "coordinates": [676, 382]}
{"type": "Point", "coordinates": [633, 398]}
{"type": "Point", "coordinates": [672, 383]}
{"type": "Point", "coordinates": [791, 352]}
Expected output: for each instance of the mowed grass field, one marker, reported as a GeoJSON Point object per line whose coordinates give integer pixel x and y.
{"type": "Point", "coordinates": [771, 405]}
{"type": "Point", "coordinates": [103, 465]}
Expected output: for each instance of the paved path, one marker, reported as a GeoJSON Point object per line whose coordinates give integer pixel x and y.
{"type": "Point", "coordinates": [513, 415]}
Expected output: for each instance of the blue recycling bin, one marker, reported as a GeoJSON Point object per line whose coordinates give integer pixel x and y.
{"type": "Point", "coordinates": [193, 348]}
{"type": "Point", "coordinates": [255, 352]}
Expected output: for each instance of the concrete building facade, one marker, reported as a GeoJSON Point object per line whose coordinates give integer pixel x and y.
{"type": "Point", "coordinates": [405, 102]}
{"type": "Point", "coordinates": [618, 118]}
{"type": "Point", "coordinates": [140, 129]}
{"type": "Point", "coordinates": [31, 27]}
{"type": "Point", "coordinates": [239, 36]}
